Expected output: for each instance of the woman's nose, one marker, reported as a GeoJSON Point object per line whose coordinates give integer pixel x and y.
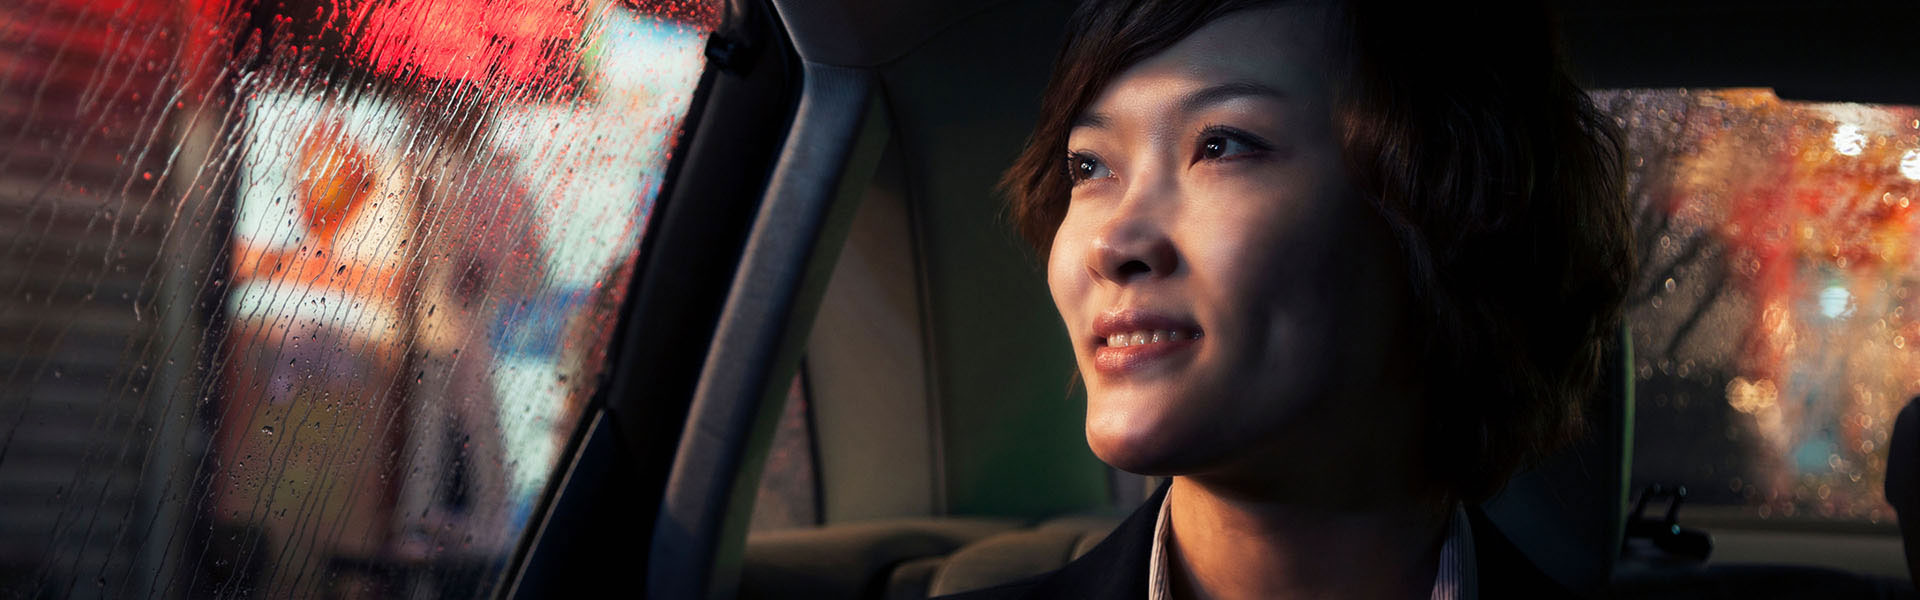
{"type": "Point", "coordinates": [1131, 249]}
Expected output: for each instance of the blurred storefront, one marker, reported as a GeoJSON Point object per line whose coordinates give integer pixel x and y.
{"type": "Point", "coordinates": [375, 251]}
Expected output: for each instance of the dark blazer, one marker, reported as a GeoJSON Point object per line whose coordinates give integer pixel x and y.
{"type": "Point", "coordinates": [1117, 567]}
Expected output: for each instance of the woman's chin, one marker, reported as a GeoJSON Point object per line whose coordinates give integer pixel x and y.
{"type": "Point", "coordinates": [1141, 446]}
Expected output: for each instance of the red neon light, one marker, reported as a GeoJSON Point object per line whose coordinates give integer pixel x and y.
{"type": "Point", "coordinates": [514, 40]}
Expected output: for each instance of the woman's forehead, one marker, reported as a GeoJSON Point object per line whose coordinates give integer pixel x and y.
{"type": "Point", "coordinates": [1273, 52]}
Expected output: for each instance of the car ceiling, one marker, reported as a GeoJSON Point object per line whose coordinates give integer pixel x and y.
{"type": "Point", "coordinates": [1851, 51]}
{"type": "Point", "coordinates": [868, 33]}
{"type": "Point", "coordinates": [1855, 51]}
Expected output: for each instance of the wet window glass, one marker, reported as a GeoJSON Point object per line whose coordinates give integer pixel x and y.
{"type": "Point", "coordinates": [1776, 323]}
{"type": "Point", "coordinates": [788, 494]}
{"type": "Point", "coordinates": [303, 299]}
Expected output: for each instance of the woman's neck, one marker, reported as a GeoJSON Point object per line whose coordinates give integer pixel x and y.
{"type": "Point", "coordinates": [1228, 545]}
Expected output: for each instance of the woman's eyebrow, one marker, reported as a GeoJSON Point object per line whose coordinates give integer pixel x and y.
{"type": "Point", "coordinates": [1214, 94]}
{"type": "Point", "coordinates": [1091, 120]}
{"type": "Point", "coordinates": [1194, 101]}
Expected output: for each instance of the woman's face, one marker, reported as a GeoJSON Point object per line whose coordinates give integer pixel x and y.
{"type": "Point", "coordinates": [1211, 212]}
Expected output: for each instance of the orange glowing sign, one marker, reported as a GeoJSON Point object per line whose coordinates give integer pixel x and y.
{"type": "Point", "coordinates": [336, 181]}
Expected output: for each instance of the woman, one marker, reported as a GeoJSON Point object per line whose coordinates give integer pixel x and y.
{"type": "Point", "coordinates": [1336, 269]}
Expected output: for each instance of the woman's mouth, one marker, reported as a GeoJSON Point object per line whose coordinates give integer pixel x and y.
{"type": "Point", "coordinates": [1129, 342]}
{"type": "Point", "coordinates": [1150, 336]}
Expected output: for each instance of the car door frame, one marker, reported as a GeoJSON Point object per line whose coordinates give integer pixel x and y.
{"type": "Point", "coordinates": [591, 527]}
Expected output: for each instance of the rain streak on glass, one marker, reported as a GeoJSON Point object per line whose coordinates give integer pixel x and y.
{"type": "Point", "coordinates": [304, 303]}
{"type": "Point", "coordinates": [1776, 322]}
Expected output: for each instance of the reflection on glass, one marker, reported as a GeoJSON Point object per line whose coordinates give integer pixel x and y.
{"type": "Point", "coordinates": [1774, 322]}
{"type": "Point", "coordinates": [304, 303]}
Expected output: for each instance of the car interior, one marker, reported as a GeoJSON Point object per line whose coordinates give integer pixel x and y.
{"type": "Point", "coordinates": [944, 434]}
{"type": "Point", "coordinates": [835, 370]}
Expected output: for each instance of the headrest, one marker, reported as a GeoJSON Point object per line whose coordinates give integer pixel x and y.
{"type": "Point", "coordinates": [1567, 513]}
{"type": "Point", "coordinates": [1903, 482]}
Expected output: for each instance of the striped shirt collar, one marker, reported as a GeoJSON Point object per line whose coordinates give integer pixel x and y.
{"type": "Point", "coordinates": [1455, 579]}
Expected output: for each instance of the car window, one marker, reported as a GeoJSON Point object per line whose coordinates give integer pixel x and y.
{"type": "Point", "coordinates": [1775, 332]}
{"type": "Point", "coordinates": [788, 494]}
{"type": "Point", "coordinates": [306, 300]}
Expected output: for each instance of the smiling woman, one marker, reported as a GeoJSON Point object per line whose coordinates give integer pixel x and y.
{"type": "Point", "coordinates": [1222, 211]}
{"type": "Point", "coordinates": [1280, 235]}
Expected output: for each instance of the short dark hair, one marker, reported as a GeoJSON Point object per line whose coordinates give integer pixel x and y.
{"type": "Point", "coordinates": [1499, 178]}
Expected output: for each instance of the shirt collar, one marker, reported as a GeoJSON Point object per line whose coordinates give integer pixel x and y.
{"type": "Point", "coordinates": [1455, 579]}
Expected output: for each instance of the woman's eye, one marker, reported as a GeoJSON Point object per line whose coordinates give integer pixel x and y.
{"type": "Point", "coordinates": [1219, 141]}
{"type": "Point", "coordinates": [1084, 167]}
{"type": "Point", "coordinates": [1221, 146]}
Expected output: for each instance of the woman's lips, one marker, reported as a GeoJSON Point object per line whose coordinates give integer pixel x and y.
{"type": "Point", "coordinates": [1132, 340]}
{"type": "Point", "coordinates": [1117, 360]}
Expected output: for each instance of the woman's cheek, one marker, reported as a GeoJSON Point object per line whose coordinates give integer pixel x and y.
{"type": "Point", "coordinates": [1062, 263]}
{"type": "Point", "coordinates": [1067, 279]}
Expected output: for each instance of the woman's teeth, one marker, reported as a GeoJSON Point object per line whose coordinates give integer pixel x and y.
{"type": "Point", "coordinates": [1150, 336]}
